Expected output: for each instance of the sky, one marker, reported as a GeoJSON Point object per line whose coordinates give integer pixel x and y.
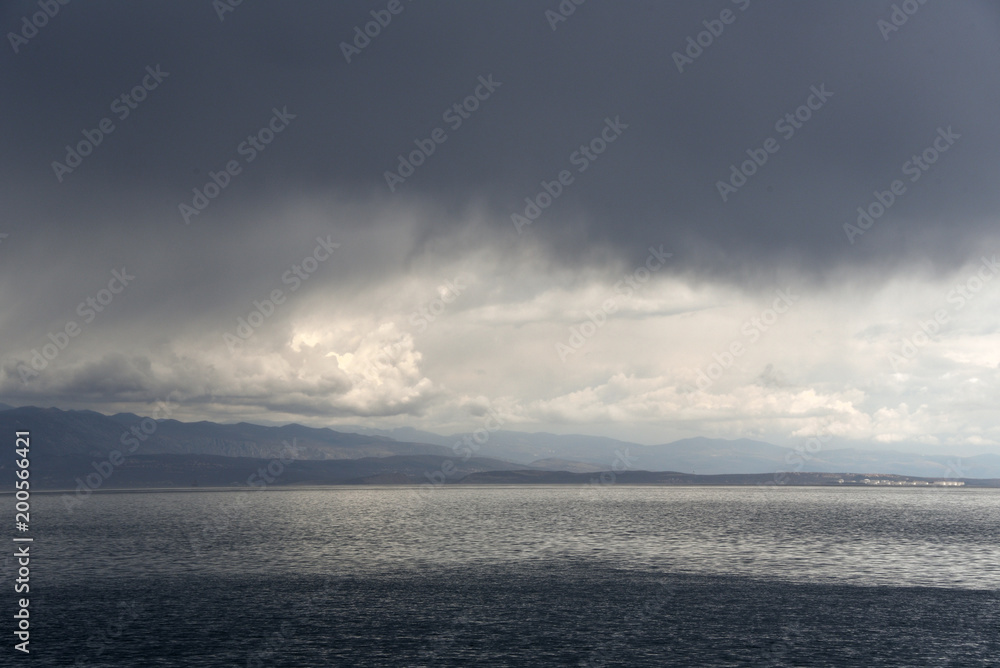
{"type": "Point", "coordinates": [649, 221]}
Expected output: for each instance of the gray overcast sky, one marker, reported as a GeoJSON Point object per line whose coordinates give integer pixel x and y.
{"type": "Point", "coordinates": [426, 302]}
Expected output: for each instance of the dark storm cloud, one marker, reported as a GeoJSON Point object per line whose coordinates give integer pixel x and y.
{"type": "Point", "coordinates": [608, 74]}
{"type": "Point", "coordinates": [657, 183]}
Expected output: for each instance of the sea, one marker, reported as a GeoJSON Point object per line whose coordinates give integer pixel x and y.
{"type": "Point", "coordinates": [608, 575]}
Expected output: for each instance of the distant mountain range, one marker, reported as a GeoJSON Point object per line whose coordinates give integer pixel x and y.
{"type": "Point", "coordinates": [59, 432]}
{"type": "Point", "coordinates": [704, 456]}
{"type": "Point", "coordinates": [75, 472]}
{"type": "Point", "coordinates": [605, 480]}
{"type": "Point", "coordinates": [67, 446]}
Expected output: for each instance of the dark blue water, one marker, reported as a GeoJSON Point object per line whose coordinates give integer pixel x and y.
{"type": "Point", "coordinates": [519, 576]}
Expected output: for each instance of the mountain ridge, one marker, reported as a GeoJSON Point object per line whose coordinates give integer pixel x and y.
{"type": "Point", "coordinates": [58, 432]}
{"type": "Point", "coordinates": [79, 432]}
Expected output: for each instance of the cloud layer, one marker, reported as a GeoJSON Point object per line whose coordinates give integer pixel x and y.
{"type": "Point", "coordinates": [478, 209]}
